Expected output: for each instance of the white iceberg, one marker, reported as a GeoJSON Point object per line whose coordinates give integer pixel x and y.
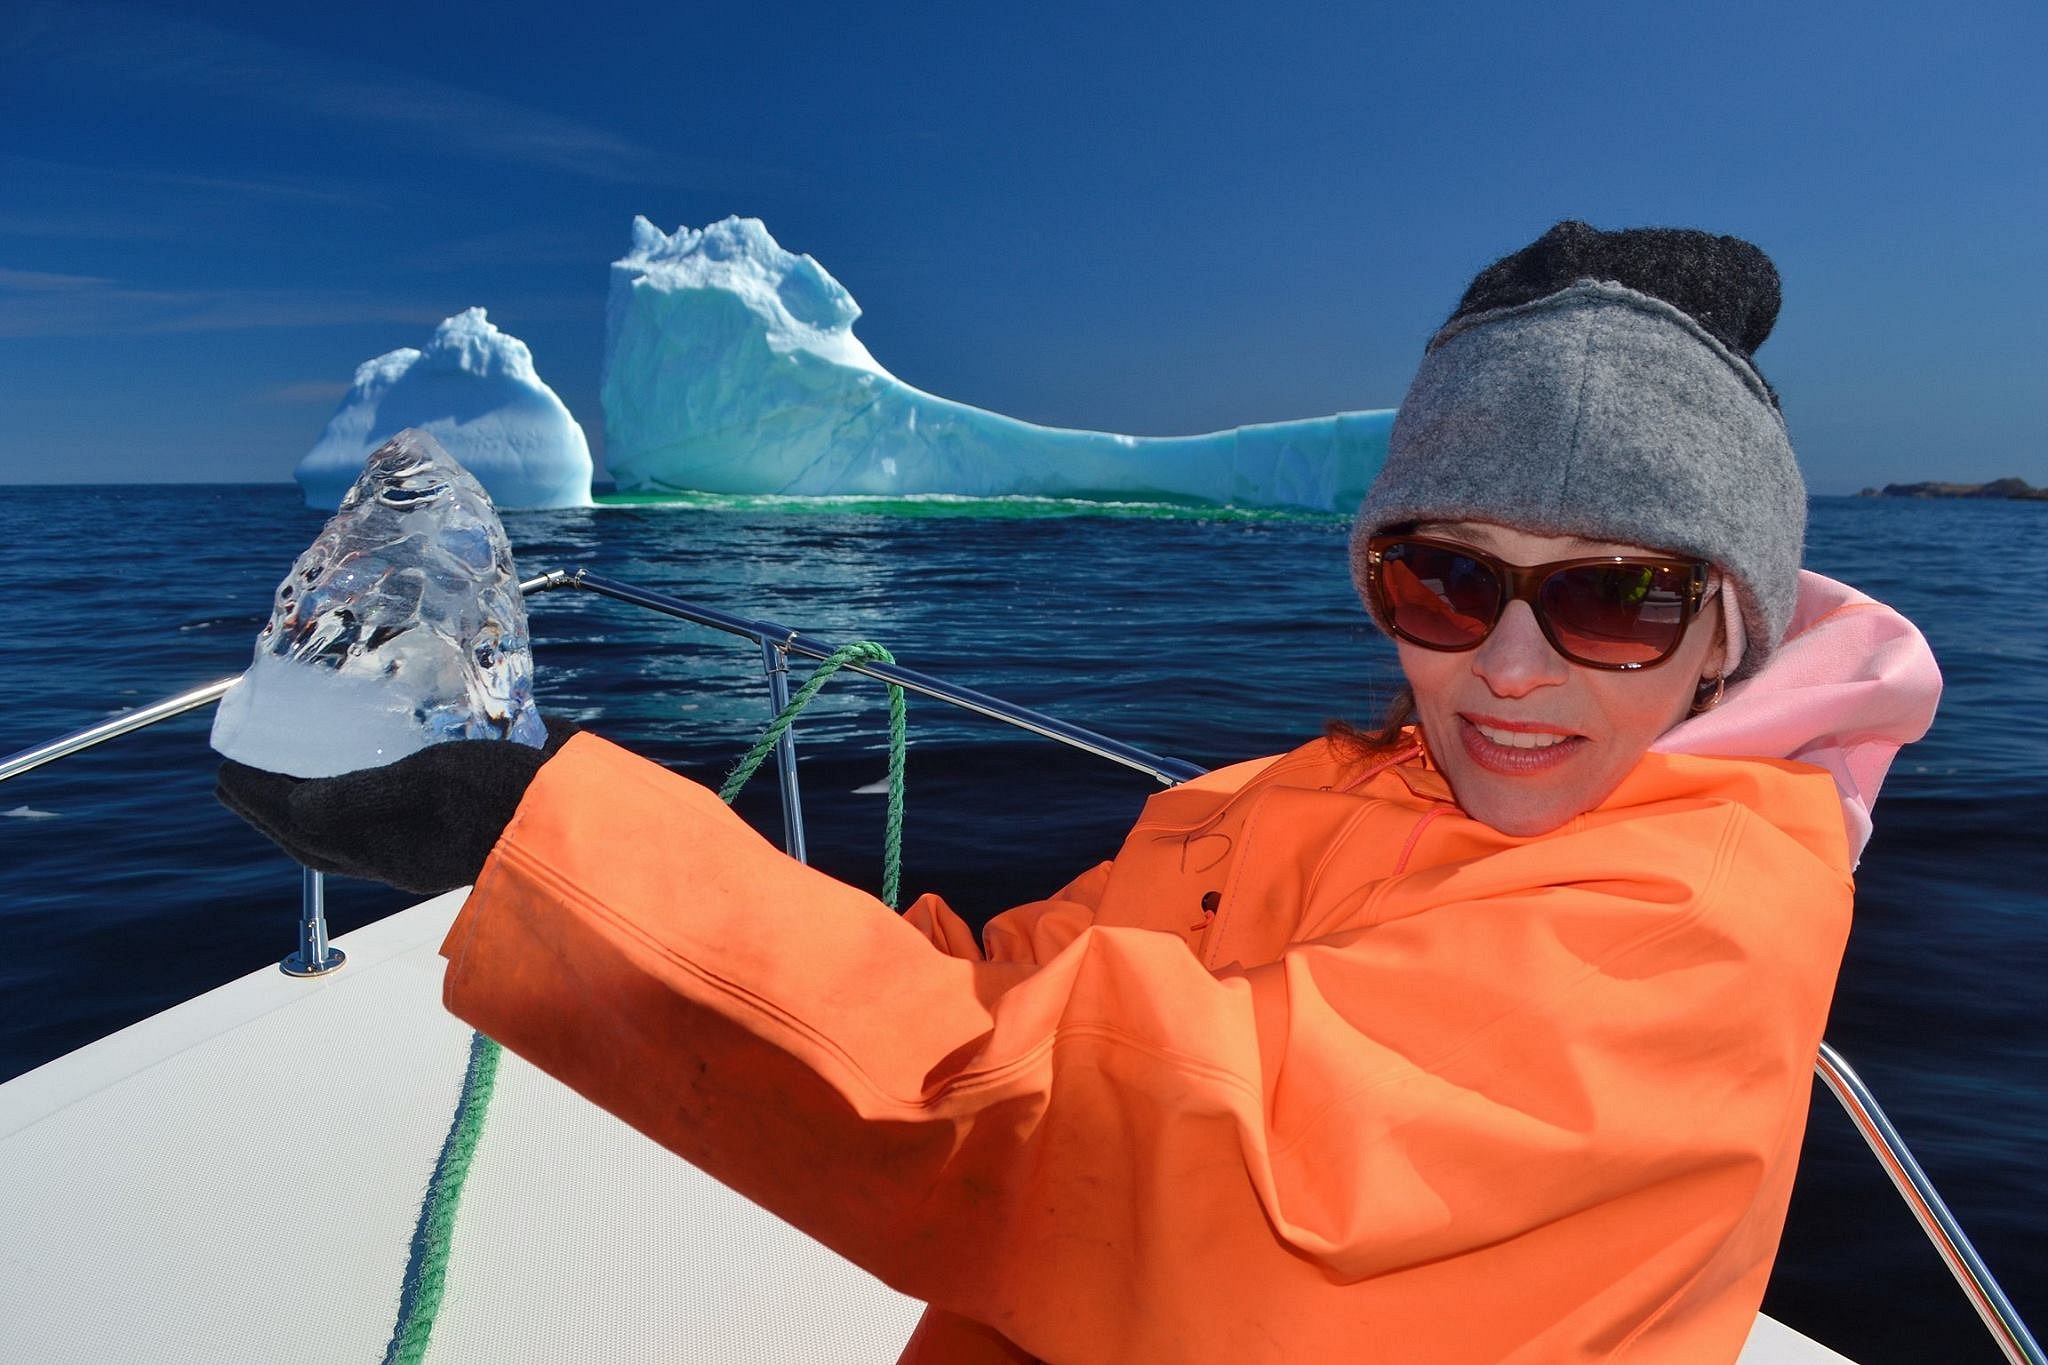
{"type": "Point", "coordinates": [474, 389]}
{"type": "Point", "coordinates": [731, 367]}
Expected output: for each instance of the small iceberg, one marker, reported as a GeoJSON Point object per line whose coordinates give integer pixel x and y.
{"type": "Point", "coordinates": [400, 626]}
{"type": "Point", "coordinates": [473, 389]}
{"type": "Point", "coordinates": [731, 367]}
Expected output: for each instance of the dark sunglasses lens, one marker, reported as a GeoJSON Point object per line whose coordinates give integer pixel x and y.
{"type": "Point", "coordinates": [1611, 614]}
{"type": "Point", "coordinates": [1438, 597]}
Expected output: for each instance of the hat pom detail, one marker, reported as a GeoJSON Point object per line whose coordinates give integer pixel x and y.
{"type": "Point", "coordinates": [1725, 284]}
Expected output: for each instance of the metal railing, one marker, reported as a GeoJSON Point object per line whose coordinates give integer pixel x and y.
{"type": "Point", "coordinates": [16, 764]}
{"type": "Point", "coordinates": [316, 957]}
{"type": "Point", "coordinates": [777, 642]}
{"type": "Point", "coordinates": [1978, 1284]}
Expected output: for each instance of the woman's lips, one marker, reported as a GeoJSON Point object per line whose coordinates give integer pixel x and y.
{"type": "Point", "coordinates": [1516, 749]}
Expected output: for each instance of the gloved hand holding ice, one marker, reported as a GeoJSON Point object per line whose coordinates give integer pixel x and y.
{"type": "Point", "coordinates": [401, 626]}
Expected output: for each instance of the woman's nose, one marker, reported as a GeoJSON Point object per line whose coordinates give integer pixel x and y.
{"type": "Point", "coordinates": [1515, 659]}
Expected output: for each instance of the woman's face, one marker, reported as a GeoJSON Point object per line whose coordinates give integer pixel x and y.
{"type": "Point", "coordinates": [1526, 738]}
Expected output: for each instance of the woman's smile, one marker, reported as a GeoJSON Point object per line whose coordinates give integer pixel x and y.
{"type": "Point", "coordinates": [1514, 748]}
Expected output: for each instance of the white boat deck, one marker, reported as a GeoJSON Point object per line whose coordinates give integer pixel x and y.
{"type": "Point", "coordinates": [239, 1179]}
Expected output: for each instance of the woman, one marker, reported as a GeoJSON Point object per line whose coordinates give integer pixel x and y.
{"type": "Point", "coordinates": [1483, 1038]}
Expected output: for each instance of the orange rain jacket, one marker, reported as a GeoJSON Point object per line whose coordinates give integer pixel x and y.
{"type": "Point", "coordinates": [1317, 1069]}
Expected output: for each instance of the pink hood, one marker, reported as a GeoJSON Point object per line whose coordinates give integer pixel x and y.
{"type": "Point", "coordinates": [1852, 681]}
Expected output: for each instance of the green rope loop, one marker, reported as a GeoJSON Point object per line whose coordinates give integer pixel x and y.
{"type": "Point", "coordinates": [892, 837]}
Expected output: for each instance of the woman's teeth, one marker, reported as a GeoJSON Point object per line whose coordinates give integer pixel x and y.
{"type": "Point", "coordinates": [1520, 739]}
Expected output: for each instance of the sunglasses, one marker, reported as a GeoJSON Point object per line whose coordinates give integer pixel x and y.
{"type": "Point", "coordinates": [1603, 611]}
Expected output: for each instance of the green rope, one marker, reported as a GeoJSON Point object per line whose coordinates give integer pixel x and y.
{"type": "Point", "coordinates": [426, 1274]}
{"type": "Point", "coordinates": [892, 837]}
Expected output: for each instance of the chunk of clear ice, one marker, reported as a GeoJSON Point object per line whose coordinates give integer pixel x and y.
{"type": "Point", "coordinates": [401, 626]}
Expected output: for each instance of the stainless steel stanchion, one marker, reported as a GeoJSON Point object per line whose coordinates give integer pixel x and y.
{"type": "Point", "coordinates": [316, 956]}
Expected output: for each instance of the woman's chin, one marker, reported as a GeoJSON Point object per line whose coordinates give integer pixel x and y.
{"type": "Point", "coordinates": [1521, 819]}
{"type": "Point", "coordinates": [1523, 792]}
{"type": "Point", "coordinates": [1527, 803]}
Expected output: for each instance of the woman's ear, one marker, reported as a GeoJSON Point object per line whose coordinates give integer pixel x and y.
{"type": "Point", "coordinates": [1715, 662]}
{"type": "Point", "coordinates": [1707, 695]}
{"type": "Point", "coordinates": [1714, 668]}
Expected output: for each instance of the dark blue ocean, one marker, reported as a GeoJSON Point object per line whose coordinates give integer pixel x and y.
{"type": "Point", "coordinates": [124, 888]}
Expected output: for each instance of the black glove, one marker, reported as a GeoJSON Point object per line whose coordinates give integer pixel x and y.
{"type": "Point", "coordinates": [423, 824]}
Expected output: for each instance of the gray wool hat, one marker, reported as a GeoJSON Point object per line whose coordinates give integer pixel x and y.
{"type": "Point", "coordinates": [1602, 412]}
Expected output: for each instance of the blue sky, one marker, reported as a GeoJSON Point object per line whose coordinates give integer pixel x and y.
{"type": "Point", "coordinates": [210, 213]}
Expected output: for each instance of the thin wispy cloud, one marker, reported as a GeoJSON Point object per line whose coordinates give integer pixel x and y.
{"type": "Point", "coordinates": [40, 281]}
{"type": "Point", "coordinates": [37, 304]}
{"type": "Point", "coordinates": [77, 201]}
{"type": "Point", "coordinates": [135, 48]}
{"type": "Point", "coordinates": [86, 178]}
{"type": "Point", "coordinates": [97, 227]}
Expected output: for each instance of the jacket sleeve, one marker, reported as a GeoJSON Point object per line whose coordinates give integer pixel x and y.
{"type": "Point", "coordinates": [1033, 932]}
{"type": "Point", "coordinates": [1591, 1075]}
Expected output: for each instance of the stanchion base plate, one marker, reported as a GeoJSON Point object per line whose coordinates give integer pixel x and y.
{"type": "Point", "coordinates": [296, 964]}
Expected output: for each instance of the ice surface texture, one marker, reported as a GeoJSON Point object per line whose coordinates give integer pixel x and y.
{"type": "Point", "coordinates": [731, 367]}
{"type": "Point", "coordinates": [400, 626]}
{"type": "Point", "coordinates": [475, 390]}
